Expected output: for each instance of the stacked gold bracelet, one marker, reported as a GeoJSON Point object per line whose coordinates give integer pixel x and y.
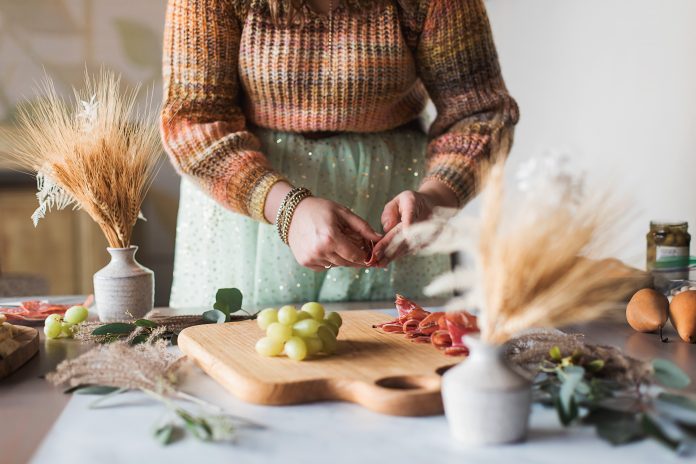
{"type": "Point", "coordinates": [287, 210]}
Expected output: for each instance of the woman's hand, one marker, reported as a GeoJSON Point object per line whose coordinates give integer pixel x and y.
{"type": "Point", "coordinates": [407, 208]}
{"type": "Point", "coordinates": [324, 234]}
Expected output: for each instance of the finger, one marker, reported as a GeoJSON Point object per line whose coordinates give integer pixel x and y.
{"type": "Point", "coordinates": [407, 208]}
{"type": "Point", "coordinates": [360, 225]}
{"type": "Point", "coordinates": [390, 216]}
{"type": "Point", "coordinates": [349, 251]}
{"type": "Point", "coordinates": [337, 260]}
{"type": "Point", "coordinates": [382, 245]}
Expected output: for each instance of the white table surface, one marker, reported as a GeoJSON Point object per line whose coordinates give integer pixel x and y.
{"type": "Point", "coordinates": [316, 433]}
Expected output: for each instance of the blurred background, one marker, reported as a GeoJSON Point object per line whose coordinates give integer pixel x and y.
{"type": "Point", "coordinates": [610, 83]}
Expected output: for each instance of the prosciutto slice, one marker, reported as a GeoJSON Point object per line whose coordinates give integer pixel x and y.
{"type": "Point", "coordinates": [443, 330]}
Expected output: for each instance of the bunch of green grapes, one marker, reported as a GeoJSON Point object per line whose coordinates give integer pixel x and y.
{"type": "Point", "coordinates": [298, 334]}
{"type": "Point", "coordinates": [55, 327]}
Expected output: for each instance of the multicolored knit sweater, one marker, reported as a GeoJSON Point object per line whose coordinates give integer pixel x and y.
{"type": "Point", "coordinates": [229, 67]}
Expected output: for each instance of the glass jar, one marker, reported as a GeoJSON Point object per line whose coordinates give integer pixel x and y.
{"type": "Point", "coordinates": [668, 249]}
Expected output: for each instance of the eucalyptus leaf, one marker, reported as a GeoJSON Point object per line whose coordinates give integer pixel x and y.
{"type": "Point", "coordinates": [146, 323]}
{"type": "Point", "coordinates": [96, 390]}
{"type": "Point", "coordinates": [663, 430]}
{"type": "Point", "coordinates": [140, 338]}
{"type": "Point", "coordinates": [620, 432]}
{"type": "Point", "coordinates": [165, 433]}
{"type": "Point", "coordinates": [114, 328]}
{"type": "Point", "coordinates": [571, 377]}
{"type": "Point", "coordinates": [678, 408]}
{"type": "Point", "coordinates": [215, 316]}
{"type": "Point", "coordinates": [228, 300]}
{"type": "Point", "coordinates": [566, 415]}
{"type": "Point", "coordinates": [197, 426]}
{"type": "Point", "coordinates": [669, 374]}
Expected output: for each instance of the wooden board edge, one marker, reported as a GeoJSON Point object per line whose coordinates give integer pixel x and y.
{"type": "Point", "coordinates": [22, 354]}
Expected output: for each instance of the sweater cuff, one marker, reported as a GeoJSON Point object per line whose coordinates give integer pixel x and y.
{"type": "Point", "coordinates": [458, 173]}
{"type": "Point", "coordinates": [259, 193]}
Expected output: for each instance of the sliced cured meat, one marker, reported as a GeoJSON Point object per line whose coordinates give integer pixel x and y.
{"type": "Point", "coordinates": [443, 330]}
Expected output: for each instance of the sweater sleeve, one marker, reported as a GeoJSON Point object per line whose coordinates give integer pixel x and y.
{"type": "Point", "coordinates": [458, 65]}
{"type": "Point", "coordinates": [203, 127]}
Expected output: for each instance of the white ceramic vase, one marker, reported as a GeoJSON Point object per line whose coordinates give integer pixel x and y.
{"type": "Point", "coordinates": [123, 289]}
{"type": "Point", "coordinates": [486, 402]}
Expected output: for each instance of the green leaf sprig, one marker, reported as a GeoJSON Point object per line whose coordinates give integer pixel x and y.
{"type": "Point", "coordinates": [228, 301]}
{"type": "Point", "coordinates": [620, 412]}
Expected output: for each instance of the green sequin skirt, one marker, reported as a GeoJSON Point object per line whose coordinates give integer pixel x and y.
{"type": "Point", "coordinates": [216, 248]}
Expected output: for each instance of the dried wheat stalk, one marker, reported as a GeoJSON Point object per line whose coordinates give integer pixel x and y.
{"type": "Point", "coordinates": [99, 153]}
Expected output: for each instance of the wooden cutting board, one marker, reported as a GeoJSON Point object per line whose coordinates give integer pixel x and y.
{"type": "Point", "coordinates": [28, 339]}
{"type": "Point", "coordinates": [386, 373]}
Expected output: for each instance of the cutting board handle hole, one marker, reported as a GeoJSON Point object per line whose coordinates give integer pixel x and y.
{"type": "Point", "coordinates": [409, 382]}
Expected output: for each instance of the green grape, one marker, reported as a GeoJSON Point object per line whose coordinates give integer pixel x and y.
{"type": "Point", "coordinates": [296, 349]}
{"type": "Point", "coordinates": [332, 326]}
{"type": "Point", "coordinates": [302, 315]}
{"type": "Point", "coordinates": [52, 329]}
{"type": "Point", "coordinates": [76, 314]}
{"type": "Point", "coordinates": [314, 345]}
{"type": "Point", "coordinates": [53, 317]}
{"type": "Point", "coordinates": [328, 339]}
{"type": "Point", "coordinates": [315, 309]}
{"type": "Point", "coordinates": [278, 331]}
{"type": "Point", "coordinates": [305, 328]}
{"type": "Point", "coordinates": [267, 317]}
{"type": "Point", "coordinates": [66, 330]}
{"type": "Point", "coordinates": [335, 318]}
{"type": "Point", "coordinates": [287, 315]}
{"type": "Point", "coordinates": [268, 346]}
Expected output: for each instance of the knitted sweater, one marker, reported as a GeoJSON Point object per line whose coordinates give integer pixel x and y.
{"type": "Point", "coordinates": [228, 67]}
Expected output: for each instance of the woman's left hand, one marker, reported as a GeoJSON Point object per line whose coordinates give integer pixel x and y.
{"type": "Point", "coordinates": [407, 208]}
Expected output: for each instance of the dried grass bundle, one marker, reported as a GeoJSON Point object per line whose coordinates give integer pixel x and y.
{"type": "Point", "coordinates": [146, 366]}
{"type": "Point", "coordinates": [535, 257]}
{"type": "Point", "coordinates": [99, 153]}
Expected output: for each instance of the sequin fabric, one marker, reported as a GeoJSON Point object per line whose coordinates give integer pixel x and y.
{"type": "Point", "coordinates": [218, 248]}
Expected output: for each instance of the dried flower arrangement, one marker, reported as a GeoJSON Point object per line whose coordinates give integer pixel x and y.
{"type": "Point", "coordinates": [534, 253]}
{"type": "Point", "coordinates": [98, 153]}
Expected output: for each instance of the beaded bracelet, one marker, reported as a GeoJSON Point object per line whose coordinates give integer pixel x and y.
{"type": "Point", "coordinates": [287, 210]}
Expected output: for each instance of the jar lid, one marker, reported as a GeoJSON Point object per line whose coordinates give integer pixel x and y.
{"type": "Point", "coordinates": [669, 224]}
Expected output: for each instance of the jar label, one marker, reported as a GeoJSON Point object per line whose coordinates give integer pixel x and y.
{"type": "Point", "coordinates": [662, 252]}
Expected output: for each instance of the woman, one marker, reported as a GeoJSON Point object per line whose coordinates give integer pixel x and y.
{"type": "Point", "coordinates": [262, 96]}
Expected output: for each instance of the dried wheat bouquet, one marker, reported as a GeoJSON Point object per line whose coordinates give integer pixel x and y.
{"type": "Point", "coordinates": [98, 152]}
{"type": "Point", "coordinates": [535, 252]}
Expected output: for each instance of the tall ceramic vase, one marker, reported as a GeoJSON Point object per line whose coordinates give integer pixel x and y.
{"type": "Point", "coordinates": [123, 289]}
{"type": "Point", "coordinates": [486, 402]}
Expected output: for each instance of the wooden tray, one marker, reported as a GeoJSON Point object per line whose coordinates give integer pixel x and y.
{"type": "Point", "coordinates": [383, 372]}
{"type": "Point", "coordinates": [29, 346]}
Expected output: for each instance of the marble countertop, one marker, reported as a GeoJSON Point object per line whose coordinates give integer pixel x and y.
{"type": "Point", "coordinates": [41, 424]}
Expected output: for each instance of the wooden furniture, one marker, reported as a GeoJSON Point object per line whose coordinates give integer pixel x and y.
{"type": "Point", "coordinates": [386, 373]}
{"type": "Point", "coordinates": [28, 339]}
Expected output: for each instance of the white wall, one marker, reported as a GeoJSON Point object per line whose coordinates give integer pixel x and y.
{"type": "Point", "coordinates": [613, 82]}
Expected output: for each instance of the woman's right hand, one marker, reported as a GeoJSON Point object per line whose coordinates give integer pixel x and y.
{"type": "Point", "coordinates": [324, 234]}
